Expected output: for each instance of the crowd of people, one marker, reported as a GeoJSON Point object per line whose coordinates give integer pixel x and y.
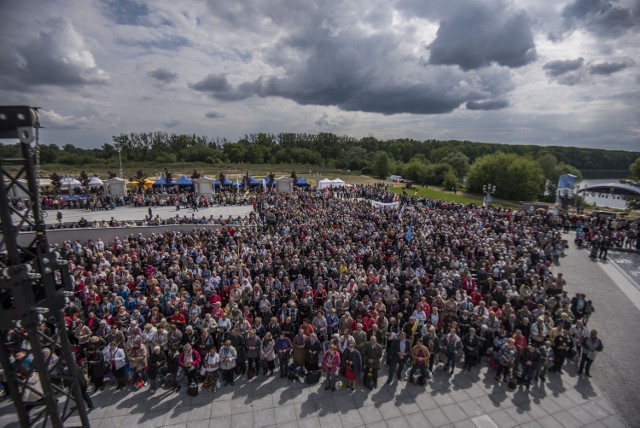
{"type": "Point", "coordinates": [314, 285]}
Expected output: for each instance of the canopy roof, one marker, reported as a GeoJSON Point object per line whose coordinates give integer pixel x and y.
{"type": "Point", "coordinates": [182, 181]}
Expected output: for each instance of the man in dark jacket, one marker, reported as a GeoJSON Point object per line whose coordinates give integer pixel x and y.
{"type": "Point", "coordinates": [398, 354]}
{"type": "Point", "coordinates": [157, 363]}
{"type": "Point", "coordinates": [471, 348]}
{"type": "Point", "coordinates": [529, 359]}
{"type": "Point", "coordinates": [238, 342]}
{"type": "Point", "coordinates": [372, 356]}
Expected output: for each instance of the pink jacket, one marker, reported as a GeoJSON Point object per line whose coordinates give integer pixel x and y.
{"type": "Point", "coordinates": [333, 365]}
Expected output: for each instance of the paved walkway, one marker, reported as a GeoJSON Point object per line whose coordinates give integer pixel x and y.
{"type": "Point", "coordinates": [616, 299]}
{"type": "Point", "coordinates": [139, 213]}
{"type": "Point", "coordinates": [466, 399]}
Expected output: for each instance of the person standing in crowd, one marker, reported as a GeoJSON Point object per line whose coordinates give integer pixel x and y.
{"type": "Point", "coordinates": [283, 349]}
{"type": "Point", "coordinates": [471, 346]}
{"type": "Point", "coordinates": [507, 361]}
{"type": "Point", "coordinates": [546, 360]}
{"type": "Point", "coordinates": [253, 343]}
{"type": "Point", "coordinates": [398, 355]}
{"type": "Point", "coordinates": [331, 366]}
{"type": "Point", "coordinates": [351, 363]}
{"type": "Point", "coordinates": [420, 358]}
{"type": "Point", "coordinates": [591, 345]}
{"type": "Point", "coordinates": [228, 357]}
{"type": "Point", "coordinates": [312, 350]}
{"type": "Point", "coordinates": [210, 366]}
{"type": "Point", "coordinates": [372, 357]}
{"type": "Point", "coordinates": [138, 360]}
{"type": "Point", "coordinates": [561, 349]}
{"type": "Point", "coordinates": [529, 360]}
{"type": "Point", "coordinates": [157, 363]}
{"type": "Point", "coordinates": [189, 361]}
{"type": "Point", "coordinates": [452, 346]}
{"type": "Point", "coordinates": [115, 359]}
{"type": "Point", "coordinates": [268, 354]}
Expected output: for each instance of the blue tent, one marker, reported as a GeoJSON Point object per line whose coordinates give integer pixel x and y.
{"type": "Point", "coordinates": [302, 182]}
{"type": "Point", "coordinates": [254, 183]}
{"type": "Point", "coordinates": [227, 182]}
{"type": "Point", "coordinates": [161, 182]}
{"type": "Point", "coordinates": [183, 181]}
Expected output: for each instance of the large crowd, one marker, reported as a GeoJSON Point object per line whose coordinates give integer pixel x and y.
{"type": "Point", "coordinates": [315, 285]}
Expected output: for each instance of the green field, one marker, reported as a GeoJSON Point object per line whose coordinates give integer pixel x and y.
{"type": "Point", "coordinates": [430, 193]}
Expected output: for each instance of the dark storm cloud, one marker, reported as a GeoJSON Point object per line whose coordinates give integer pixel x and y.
{"type": "Point", "coordinates": [475, 33]}
{"type": "Point", "coordinates": [607, 18]}
{"type": "Point", "coordinates": [163, 75]}
{"type": "Point", "coordinates": [560, 67]}
{"type": "Point", "coordinates": [487, 105]}
{"type": "Point", "coordinates": [607, 68]}
{"type": "Point", "coordinates": [477, 36]}
{"type": "Point", "coordinates": [360, 73]}
{"type": "Point", "coordinates": [213, 115]}
{"type": "Point", "coordinates": [215, 83]}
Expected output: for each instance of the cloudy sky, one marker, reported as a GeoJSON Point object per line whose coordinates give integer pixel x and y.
{"type": "Point", "coordinates": [550, 72]}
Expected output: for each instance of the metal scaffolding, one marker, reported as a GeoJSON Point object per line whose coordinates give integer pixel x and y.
{"type": "Point", "coordinates": [34, 285]}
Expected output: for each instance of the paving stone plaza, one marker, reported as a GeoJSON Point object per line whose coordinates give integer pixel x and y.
{"type": "Point", "coordinates": [464, 399]}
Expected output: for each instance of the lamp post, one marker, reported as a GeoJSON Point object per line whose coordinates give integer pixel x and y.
{"type": "Point", "coordinates": [120, 161]}
{"type": "Point", "coordinates": [488, 190]}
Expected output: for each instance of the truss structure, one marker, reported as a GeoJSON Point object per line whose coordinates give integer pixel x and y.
{"type": "Point", "coordinates": [34, 287]}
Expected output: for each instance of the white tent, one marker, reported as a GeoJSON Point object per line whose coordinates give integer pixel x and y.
{"type": "Point", "coordinates": [203, 185]}
{"type": "Point", "coordinates": [324, 183]}
{"type": "Point", "coordinates": [116, 186]}
{"type": "Point", "coordinates": [337, 183]}
{"type": "Point", "coordinates": [95, 182]}
{"type": "Point", "coordinates": [69, 182]}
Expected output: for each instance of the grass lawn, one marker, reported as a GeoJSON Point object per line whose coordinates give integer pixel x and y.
{"type": "Point", "coordinates": [429, 193]}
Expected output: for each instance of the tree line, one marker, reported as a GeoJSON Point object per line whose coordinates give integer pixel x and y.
{"type": "Point", "coordinates": [431, 162]}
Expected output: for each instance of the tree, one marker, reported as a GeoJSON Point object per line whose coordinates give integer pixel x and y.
{"type": "Point", "coordinates": [56, 181]}
{"type": "Point", "coordinates": [549, 165]}
{"type": "Point", "coordinates": [140, 178]}
{"type": "Point", "coordinates": [415, 170]}
{"type": "Point", "coordinates": [382, 165]}
{"type": "Point", "coordinates": [450, 181]}
{"type": "Point", "coordinates": [83, 178]}
{"type": "Point", "coordinates": [168, 177]}
{"type": "Point", "coordinates": [436, 173]}
{"type": "Point", "coordinates": [515, 177]}
{"type": "Point", "coordinates": [195, 174]}
{"type": "Point", "coordinates": [458, 161]}
{"type": "Point", "coordinates": [111, 174]}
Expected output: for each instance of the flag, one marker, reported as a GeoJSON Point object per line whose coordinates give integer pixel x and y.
{"type": "Point", "coordinates": [401, 212]}
{"type": "Point", "coordinates": [264, 184]}
{"type": "Point", "coordinates": [409, 235]}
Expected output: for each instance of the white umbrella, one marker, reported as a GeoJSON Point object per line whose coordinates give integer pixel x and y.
{"type": "Point", "coordinates": [69, 182]}
{"type": "Point", "coordinates": [95, 182]}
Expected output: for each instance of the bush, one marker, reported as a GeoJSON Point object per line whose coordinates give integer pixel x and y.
{"type": "Point", "coordinates": [166, 157]}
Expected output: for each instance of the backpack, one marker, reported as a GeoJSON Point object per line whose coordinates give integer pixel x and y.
{"type": "Point", "coordinates": [193, 390]}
